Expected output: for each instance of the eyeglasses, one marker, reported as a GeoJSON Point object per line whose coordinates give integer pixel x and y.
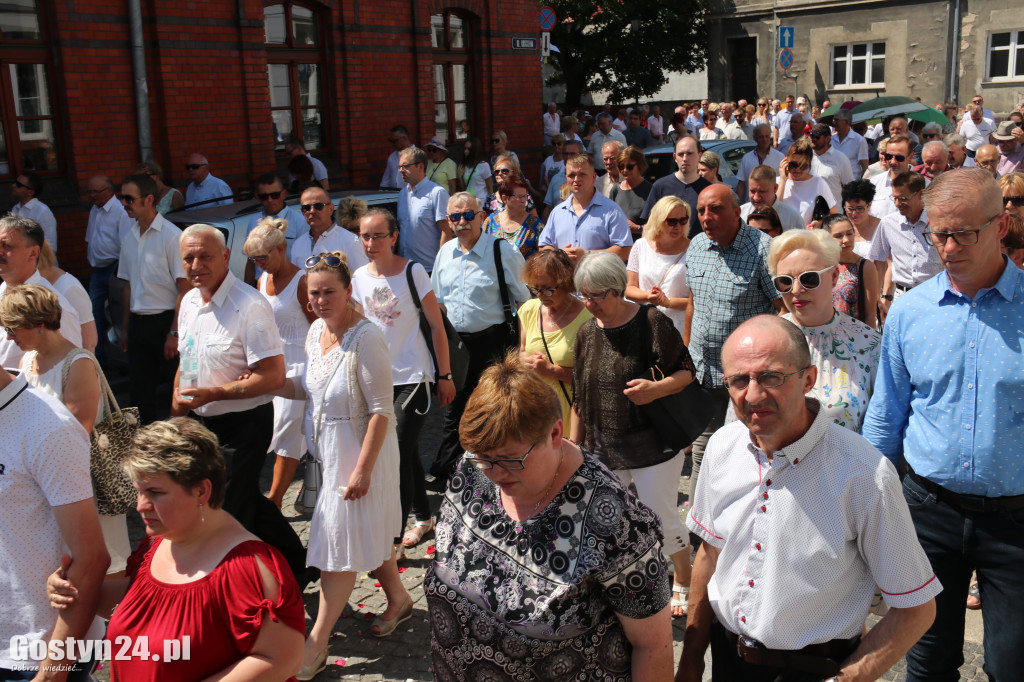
{"type": "Point", "coordinates": [608, 159]}
{"type": "Point", "coordinates": [897, 199]}
{"type": "Point", "coordinates": [961, 237]}
{"type": "Point", "coordinates": [194, 166]}
{"type": "Point", "coordinates": [676, 222]}
{"type": "Point", "coordinates": [316, 206]}
{"type": "Point", "coordinates": [128, 199]}
{"type": "Point", "coordinates": [406, 166]}
{"type": "Point", "coordinates": [511, 464]}
{"type": "Point", "coordinates": [900, 158]}
{"type": "Point", "coordinates": [457, 217]}
{"type": "Point", "coordinates": [332, 262]}
{"type": "Point", "coordinates": [546, 292]}
{"type": "Point", "coordinates": [739, 382]}
{"type": "Point", "coordinates": [374, 237]}
{"type": "Point", "coordinates": [854, 209]}
{"type": "Point", "coordinates": [10, 330]}
{"type": "Point", "coordinates": [808, 280]}
{"type": "Point", "coordinates": [258, 260]}
{"type": "Point", "coordinates": [1015, 201]}
{"type": "Point", "coordinates": [496, 140]}
{"type": "Point", "coordinates": [502, 171]}
{"type": "Point", "coordinates": [929, 136]}
{"type": "Point", "coordinates": [592, 297]}
{"type": "Point", "coordinates": [517, 197]}
{"type": "Point", "coordinates": [270, 195]}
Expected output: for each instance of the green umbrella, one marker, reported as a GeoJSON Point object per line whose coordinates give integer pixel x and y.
{"type": "Point", "coordinates": [883, 107]}
{"type": "Point", "coordinates": [839, 105]}
{"type": "Point", "coordinates": [929, 115]}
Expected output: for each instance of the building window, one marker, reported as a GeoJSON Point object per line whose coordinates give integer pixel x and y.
{"type": "Point", "coordinates": [28, 118]}
{"type": "Point", "coordinates": [453, 82]}
{"type": "Point", "coordinates": [1006, 55]}
{"type": "Point", "coordinates": [295, 66]}
{"type": "Point", "coordinates": [858, 64]}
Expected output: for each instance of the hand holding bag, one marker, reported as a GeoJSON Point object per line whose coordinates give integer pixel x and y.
{"type": "Point", "coordinates": [458, 354]}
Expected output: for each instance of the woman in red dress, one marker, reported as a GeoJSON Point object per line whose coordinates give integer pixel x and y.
{"type": "Point", "coordinates": [200, 589]}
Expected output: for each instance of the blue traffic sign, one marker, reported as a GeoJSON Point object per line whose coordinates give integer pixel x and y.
{"type": "Point", "coordinates": [786, 34]}
{"type": "Point", "coordinates": [786, 58]}
{"type": "Point", "coordinates": [547, 18]}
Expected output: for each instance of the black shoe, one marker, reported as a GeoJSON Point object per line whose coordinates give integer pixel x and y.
{"type": "Point", "coordinates": [436, 484]}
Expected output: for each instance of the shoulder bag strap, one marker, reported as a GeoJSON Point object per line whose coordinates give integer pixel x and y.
{"type": "Point", "coordinates": [861, 303]}
{"type": "Point", "coordinates": [109, 402]}
{"type": "Point", "coordinates": [424, 324]}
{"type": "Point", "coordinates": [669, 268]}
{"type": "Point", "coordinates": [506, 305]}
{"type": "Point", "coordinates": [540, 326]}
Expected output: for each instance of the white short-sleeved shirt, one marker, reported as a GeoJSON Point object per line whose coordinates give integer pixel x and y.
{"type": "Point", "coordinates": [151, 262]}
{"type": "Point", "coordinates": [788, 216]}
{"type": "Point", "coordinates": [667, 272]}
{"type": "Point", "coordinates": [41, 213]}
{"type": "Point", "coordinates": [854, 146]}
{"type": "Point", "coordinates": [334, 238]}
{"type": "Point", "coordinates": [45, 464]}
{"type": "Point", "coordinates": [835, 169]}
{"type": "Point", "coordinates": [750, 161]}
{"type": "Point", "coordinates": [828, 509]}
{"type": "Point", "coordinates": [232, 332]}
{"type": "Point", "coordinates": [801, 195]}
{"type": "Point", "coordinates": [68, 285]}
{"type": "Point", "coordinates": [387, 302]}
{"type": "Point", "coordinates": [70, 325]}
{"type": "Point", "coordinates": [475, 179]}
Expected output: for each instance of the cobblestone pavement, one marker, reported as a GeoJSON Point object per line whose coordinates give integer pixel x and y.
{"type": "Point", "coordinates": [356, 655]}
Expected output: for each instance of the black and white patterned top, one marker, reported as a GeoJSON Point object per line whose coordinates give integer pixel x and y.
{"type": "Point", "coordinates": [538, 600]}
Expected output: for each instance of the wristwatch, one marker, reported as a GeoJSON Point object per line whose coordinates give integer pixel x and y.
{"type": "Point", "coordinates": [174, 333]}
{"type": "Point", "coordinates": [448, 376]}
{"type": "Point", "coordinates": [887, 297]}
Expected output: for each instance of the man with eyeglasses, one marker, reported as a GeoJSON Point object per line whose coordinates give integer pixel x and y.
{"type": "Point", "coordinates": [205, 188]}
{"type": "Point", "coordinates": [987, 158]}
{"type": "Point", "coordinates": [786, 492]}
{"type": "Point", "coordinates": [635, 133]}
{"type": "Point", "coordinates": [850, 142]}
{"type": "Point", "coordinates": [899, 241]}
{"type": "Point", "coordinates": [686, 183]}
{"type": "Point", "coordinates": [1011, 152]}
{"type": "Point", "coordinates": [934, 159]}
{"type": "Point", "coordinates": [324, 235]}
{"type": "Point", "coordinates": [977, 129]}
{"type": "Point", "coordinates": [106, 230]}
{"type": "Point", "coordinates": [296, 146]}
{"type": "Point", "coordinates": [422, 211]}
{"type": "Point", "coordinates": [610, 155]}
{"type": "Point", "coordinates": [945, 409]}
{"type": "Point", "coordinates": [154, 283]}
{"type": "Point", "coordinates": [604, 133]}
{"type": "Point", "coordinates": [272, 195]}
{"type": "Point", "coordinates": [27, 188]}
{"type": "Point", "coordinates": [764, 154]}
{"type": "Point", "coordinates": [399, 137]}
{"type": "Point", "coordinates": [897, 155]}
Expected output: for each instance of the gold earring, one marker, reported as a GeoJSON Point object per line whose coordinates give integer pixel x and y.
{"type": "Point", "coordinates": [202, 516]}
{"type": "Point", "coordinates": [309, 306]}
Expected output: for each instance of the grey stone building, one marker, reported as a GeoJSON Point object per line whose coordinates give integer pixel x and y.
{"type": "Point", "coordinates": [938, 50]}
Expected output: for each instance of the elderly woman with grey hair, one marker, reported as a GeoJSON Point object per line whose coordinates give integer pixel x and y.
{"type": "Point", "coordinates": [627, 356]}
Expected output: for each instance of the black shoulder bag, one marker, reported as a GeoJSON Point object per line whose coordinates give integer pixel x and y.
{"type": "Point", "coordinates": [458, 354]}
{"type": "Point", "coordinates": [511, 319]}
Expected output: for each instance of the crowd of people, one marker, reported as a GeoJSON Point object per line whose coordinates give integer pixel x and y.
{"type": "Point", "coordinates": [853, 342]}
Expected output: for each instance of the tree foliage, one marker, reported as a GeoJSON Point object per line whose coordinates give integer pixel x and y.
{"type": "Point", "coordinates": [625, 46]}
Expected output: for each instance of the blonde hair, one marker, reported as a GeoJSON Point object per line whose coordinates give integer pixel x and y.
{"type": "Point", "coordinates": [508, 160]}
{"type": "Point", "coordinates": [30, 305]}
{"type": "Point", "coordinates": [46, 257]}
{"type": "Point", "coordinates": [182, 448]}
{"type": "Point", "coordinates": [820, 242]}
{"type": "Point", "coordinates": [660, 212]}
{"type": "Point", "coordinates": [266, 236]}
{"type": "Point", "coordinates": [342, 271]}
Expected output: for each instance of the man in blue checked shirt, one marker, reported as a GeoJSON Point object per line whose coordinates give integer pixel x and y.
{"type": "Point", "coordinates": [949, 406]}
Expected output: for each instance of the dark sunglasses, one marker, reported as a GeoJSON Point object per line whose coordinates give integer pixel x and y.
{"type": "Point", "coordinates": [128, 199]}
{"type": "Point", "coordinates": [676, 222]}
{"type": "Point", "coordinates": [929, 136]}
{"type": "Point", "coordinates": [900, 158]}
{"type": "Point", "coordinates": [1015, 201]}
{"type": "Point", "coordinates": [317, 206]}
{"type": "Point", "coordinates": [194, 166]}
{"type": "Point", "coordinates": [629, 166]}
{"type": "Point", "coordinates": [18, 184]}
{"type": "Point", "coordinates": [331, 261]}
{"type": "Point", "coordinates": [258, 260]}
{"type": "Point", "coordinates": [502, 171]}
{"type": "Point", "coordinates": [457, 217]}
{"type": "Point", "coordinates": [270, 195]}
{"type": "Point", "coordinates": [808, 280]}
{"type": "Point", "coordinates": [496, 140]}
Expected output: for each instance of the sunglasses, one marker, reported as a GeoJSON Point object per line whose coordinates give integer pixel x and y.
{"type": "Point", "coordinates": [332, 262]}
{"type": "Point", "coordinates": [23, 186]}
{"type": "Point", "coordinates": [496, 140]}
{"type": "Point", "coordinates": [457, 217]}
{"type": "Point", "coordinates": [808, 280]}
{"type": "Point", "coordinates": [900, 158]}
{"type": "Point", "coordinates": [502, 171]}
{"type": "Point", "coordinates": [317, 206]}
{"type": "Point", "coordinates": [270, 195]}
{"type": "Point", "coordinates": [10, 330]}
{"type": "Point", "coordinates": [258, 260]}
{"type": "Point", "coordinates": [929, 136]}
{"type": "Point", "coordinates": [546, 292]}
{"type": "Point", "coordinates": [676, 222]}
{"type": "Point", "coordinates": [128, 199]}
{"type": "Point", "coordinates": [1015, 201]}
{"type": "Point", "coordinates": [629, 166]}
{"type": "Point", "coordinates": [194, 166]}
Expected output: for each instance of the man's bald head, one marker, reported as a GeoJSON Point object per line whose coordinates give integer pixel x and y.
{"type": "Point", "coordinates": [987, 157]}
{"type": "Point", "coordinates": [760, 330]}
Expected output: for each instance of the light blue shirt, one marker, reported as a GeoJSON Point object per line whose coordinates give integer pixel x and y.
{"type": "Point", "coordinates": [601, 225]}
{"type": "Point", "coordinates": [210, 188]}
{"type": "Point", "coordinates": [949, 394]}
{"type": "Point", "coordinates": [466, 283]}
{"type": "Point", "coordinates": [419, 209]}
{"type": "Point", "coordinates": [297, 225]}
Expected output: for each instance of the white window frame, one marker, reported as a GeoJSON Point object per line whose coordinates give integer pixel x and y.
{"type": "Point", "coordinates": [849, 59]}
{"type": "Point", "coordinates": [1016, 41]}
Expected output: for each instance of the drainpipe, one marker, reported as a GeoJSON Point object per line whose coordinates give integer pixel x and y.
{"type": "Point", "coordinates": [954, 52]}
{"type": "Point", "coordinates": [141, 84]}
{"type": "Point", "coordinates": [775, 42]}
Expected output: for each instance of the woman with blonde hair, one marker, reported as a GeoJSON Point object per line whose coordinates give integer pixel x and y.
{"type": "Point", "coordinates": [68, 285]}
{"type": "Point", "coordinates": [708, 166]}
{"type": "Point", "coordinates": [284, 287]}
{"type": "Point", "coordinates": [31, 314]}
{"type": "Point", "coordinates": [797, 187]}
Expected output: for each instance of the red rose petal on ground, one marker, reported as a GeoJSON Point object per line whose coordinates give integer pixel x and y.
{"type": "Point", "coordinates": [376, 584]}
{"type": "Point", "coordinates": [362, 606]}
{"type": "Point", "coordinates": [369, 615]}
{"type": "Point", "coordinates": [430, 549]}
{"type": "Point", "coordinates": [401, 569]}
{"type": "Point", "coordinates": [339, 662]}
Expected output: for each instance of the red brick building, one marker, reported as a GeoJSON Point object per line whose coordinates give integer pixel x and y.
{"type": "Point", "coordinates": [231, 79]}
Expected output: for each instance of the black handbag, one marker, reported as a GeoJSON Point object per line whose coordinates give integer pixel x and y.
{"type": "Point", "coordinates": [458, 354]}
{"type": "Point", "coordinates": [511, 317]}
{"type": "Point", "coordinates": [678, 419]}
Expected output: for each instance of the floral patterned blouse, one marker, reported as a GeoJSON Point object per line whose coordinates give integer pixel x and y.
{"type": "Point", "coordinates": [846, 352]}
{"type": "Point", "coordinates": [525, 239]}
{"type": "Point", "coordinates": [538, 599]}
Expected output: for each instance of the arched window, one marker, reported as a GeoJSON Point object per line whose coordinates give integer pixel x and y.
{"type": "Point", "coordinates": [28, 118]}
{"type": "Point", "coordinates": [451, 40]}
{"type": "Point", "coordinates": [295, 65]}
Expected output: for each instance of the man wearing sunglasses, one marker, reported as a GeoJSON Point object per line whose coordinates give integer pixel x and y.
{"type": "Point", "coordinates": [271, 194]}
{"type": "Point", "coordinates": [324, 235]}
{"type": "Point", "coordinates": [946, 409]}
{"type": "Point", "coordinates": [786, 492]}
{"type": "Point", "coordinates": [205, 188]}
{"type": "Point", "coordinates": [26, 190]}
{"type": "Point", "coordinates": [898, 156]}
{"type": "Point", "coordinates": [422, 211]}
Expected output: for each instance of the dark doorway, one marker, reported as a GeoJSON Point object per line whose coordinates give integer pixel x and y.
{"type": "Point", "coordinates": [743, 67]}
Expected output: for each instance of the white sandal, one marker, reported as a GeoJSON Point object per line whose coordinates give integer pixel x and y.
{"type": "Point", "coordinates": [679, 602]}
{"type": "Point", "coordinates": [414, 535]}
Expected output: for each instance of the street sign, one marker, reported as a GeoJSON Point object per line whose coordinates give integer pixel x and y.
{"type": "Point", "coordinates": [786, 34]}
{"type": "Point", "coordinates": [524, 43]}
{"type": "Point", "coordinates": [545, 44]}
{"type": "Point", "coordinates": [547, 18]}
{"type": "Point", "coordinates": [786, 58]}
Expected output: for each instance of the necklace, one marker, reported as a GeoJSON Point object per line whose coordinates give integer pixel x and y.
{"type": "Point", "coordinates": [554, 479]}
{"type": "Point", "coordinates": [555, 320]}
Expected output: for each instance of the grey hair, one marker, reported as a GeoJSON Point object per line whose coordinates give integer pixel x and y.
{"type": "Point", "coordinates": [29, 228]}
{"type": "Point", "coordinates": [601, 271]}
{"type": "Point", "coordinates": [759, 126]}
{"type": "Point", "coordinates": [931, 127]}
{"type": "Point", "coordinates": [618, 146]}
{"type": "Point", "coordinates": [955, 139]}
{"type": "Point", "coordinates": [973, 186]}
{"type": "Point", "coordinates": [463, 198]}
{"type": "Point", "coordinates": [933, 145]}
{"type": "Point", "coordinates": [205, 230]}
{"type": "Point", "coordinates": [842, 115]}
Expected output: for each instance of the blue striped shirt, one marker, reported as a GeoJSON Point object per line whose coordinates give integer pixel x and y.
{"type": "Point", "coordinates": [949, 394]}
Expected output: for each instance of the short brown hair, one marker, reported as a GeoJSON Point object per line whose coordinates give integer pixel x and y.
{"type": "Point", "coordinates": [553, 264]}
{"type": "Point", "coordinates": [582, 159]}
{"type": "Point", "coordinates": [183, 449]}
{"type": "Point", "coordinates": [29, 305]}
{"type": "Point", "coordinates": [909, 180]}
{"type": "Point", "coordinates": [634, 154]}
{"type": "Point", "coordinates": [510, 404]}
{"type": "Point", "coordinates": [763, 174]}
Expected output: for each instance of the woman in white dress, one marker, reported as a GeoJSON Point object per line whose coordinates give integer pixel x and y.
{"type": "Point", "coordinates": [284, 287]}
{"type": "Point", "coordinates": [350, 427]}
{"type": "Point", "coordinates": [31, 313]}
{"type": "Point", "coordinates": [68, 285]}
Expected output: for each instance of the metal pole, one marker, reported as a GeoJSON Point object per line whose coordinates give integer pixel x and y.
{"type": "Point", "coordinates": [141, 84]}
{"type": "Point", "coordinates": [775, 42]}
{"type": "Point", "coordinates": [954, 54]}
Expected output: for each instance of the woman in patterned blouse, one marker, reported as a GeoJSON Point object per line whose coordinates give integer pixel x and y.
{"type": "Point", "coordinates": [546, 566]}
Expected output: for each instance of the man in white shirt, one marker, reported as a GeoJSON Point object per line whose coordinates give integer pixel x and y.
{"type": "Point", "coordinates": [850, 142]}
{"type": "Point", "coordinates": [399, 137]}
{"type": "Point", "coordinates": [205, 188]}
{"type": "Point", "coordinates": [739, 128]}
{"type": "Point", "coordinates": [829, 164]}
{"type": "Point", "coordinates": [105, 232]}
{"type": "Point", "coordinates": [785, 492]}
{"type": "Point", "coordinates": [761, 155]}
{"type": "Point", "coordinates": [763, 188]}
{"type": "Point", "coordinates": [422, 211]}
{"type": "Point", "coordinates": [324, 235]}
{"type": "Point", "coordinates": [977, 129]}
{"type": "Point", "coordinates": [552, 122]}
{"type": "Point", "coordinates": [154, 282]}
{"type": "Point", "coordinates": [603, 134]}
{"type": "Point", "coordinates": [897, 154]}
{"type": "Point", "coordinates": [656, 124]}
{"type": "Point", "coordinates": [27, 188]}
{"type": "Point", "coordinates": [271, 194]}
{"type": "Point", "coordinates": [295, 146]}
{"type": "Point", "coordinates": [795, 131]}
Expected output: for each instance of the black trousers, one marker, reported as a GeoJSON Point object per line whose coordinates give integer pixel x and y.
{"type": "Point", "coordinates": [727, 666]}
{"type": "Point", "coordinates": [245, 437]}
{"type": "Point", "coordinates": [408, 424]}
{"type": "Point", "coordinates": [150, 374]}
{"type": "Point", "coordinates": [484, 348]}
